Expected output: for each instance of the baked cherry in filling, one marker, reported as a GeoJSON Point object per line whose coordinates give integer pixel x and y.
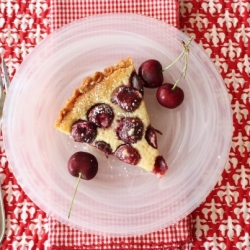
{"type": "Point", "coordinates": [151, 136]}
{"type": "Point", "coordinates": [83, 131]}
{"type": "Point", "coordinates": [101, 115]}
{"type": "Point", "coordinates": [126, 98]}
{"type": "Point", "coordinates": [104, 147]}
{"type": "Point", "coordinates": [137, 83]}
{"type": "Point", "coordinates": [130, 129]}
{"type": "Point", "coordinates": [160, 166]}
{"type": "Point", "coordinates": [128, 154]}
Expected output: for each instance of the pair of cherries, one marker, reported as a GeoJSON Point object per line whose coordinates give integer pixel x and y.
{"type": "Point", "coordinates": [151, 72]}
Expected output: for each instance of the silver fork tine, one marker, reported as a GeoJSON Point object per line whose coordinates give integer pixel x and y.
{"type": "Point", "coordinates": [1, 86]}
{"type": "Point", "coordinates": [6, 76]}
{"type": "Point", "coordinates": [2, 98]}
{"type": "Point", "coordinates": [2, 217]}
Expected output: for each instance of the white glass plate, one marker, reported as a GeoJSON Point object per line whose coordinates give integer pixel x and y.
{"type": "Point", "coordinates": [121, 200]}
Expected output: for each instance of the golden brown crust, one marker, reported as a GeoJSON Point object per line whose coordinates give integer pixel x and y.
{"type": "Point", "coordinates": [88, 84]}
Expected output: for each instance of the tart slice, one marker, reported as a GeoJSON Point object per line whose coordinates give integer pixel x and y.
{"type": "Point", "coordinates": [108, 112]}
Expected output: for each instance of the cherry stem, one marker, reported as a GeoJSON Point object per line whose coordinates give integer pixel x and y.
{"type": "Point", "coordinates": [186, 53]}
{"type": "Point", "coordinates": [175, 61]}
{"type": "Point", "coordinates": [72, 201]}
{"type": "Point", "coordinates": [183, 74]}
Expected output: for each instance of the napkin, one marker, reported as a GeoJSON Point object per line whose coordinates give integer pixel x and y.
{"type": "Point", "coordinates": [177, 236]}
{"type": "Point", "coordinates": [66, 11]}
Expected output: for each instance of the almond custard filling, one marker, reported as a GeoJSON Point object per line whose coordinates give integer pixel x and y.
{"type": "Point", "coordinates": [109, 113]}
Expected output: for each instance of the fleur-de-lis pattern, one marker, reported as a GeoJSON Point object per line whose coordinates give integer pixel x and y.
{"type": "Point", "coordinates": [23, 24]}
{"type": "Point", "coordinates": [222, 28]}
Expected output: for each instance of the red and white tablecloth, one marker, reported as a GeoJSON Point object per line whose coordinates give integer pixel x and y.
{"type": "Point", "coordinates": [222, 28]}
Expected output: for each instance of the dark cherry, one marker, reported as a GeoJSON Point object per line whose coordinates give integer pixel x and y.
{"type": "Point", "coordinates": [127, 98]}
{"type": "Point", "coordinates": [130, 129]}
{"type": "Point", "coordinates": [150, 72]}
{"type": "Point", "coordinates": [137, 83]}
{"type": "Point", "coordinates": [151, 137]}
{"type": "Point", "coordinates": [101, 115]}
{"type": "Point", "coordinates": [83, 131]}
{"type": "Point", "coordinates": [160, 166]}
{"type": "Point", "coordinates": [84, 163]}
{"type": "Point", "coordinates": [104, 147]}
{"type": "Point", "coordinates": [128, 154]}
{"type": "Point", "coordinates": [168, 96]}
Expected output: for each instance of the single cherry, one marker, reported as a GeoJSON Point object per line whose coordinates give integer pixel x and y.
{"type": "Point", "coordinates": [150, 72]}
{"type": "Point", "coordinates": [169, 96]}
{"type": "Point", "coordinates": [83, 131]}
{"type": "Point", "coordinates": [160, 166]}
{"type": "Point", "coordinates": [84, 163]}
{"type": "Point", "coordinates": [84, 166]}
{"type": "Point", "coordinates": [101, 115]}
{"type": "Point", "coordinates": [130, 129]}
{"type": "Point", "coordinates": [128, 154]}
{"type": "Point", "coordinates": [129, 99]}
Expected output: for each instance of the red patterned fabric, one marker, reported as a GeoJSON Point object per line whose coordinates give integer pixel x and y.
{"type": "Point", "coordinates": [23, 24]}
{"type": "Point", "coordinates": [177, 236]}
{"type": "Point", "coordinates": [63, 12]}
{"type": "Point", "coordinates": [222, 28]}
{"type": "Point", "coordinates": [222, 221]}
